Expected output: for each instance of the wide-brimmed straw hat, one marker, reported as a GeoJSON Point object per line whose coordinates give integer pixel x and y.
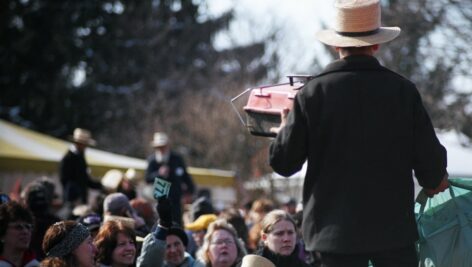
{"type": "Point", "coordinates": [357, 24]}
{"type": "Point", "coordinates": [160, 139]}
{"type": "Point", "coordinates": [82, 136]}
{"type": "Point", "coordinates": [256, 261]}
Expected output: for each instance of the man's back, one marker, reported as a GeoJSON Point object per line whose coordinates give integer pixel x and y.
{"type": "Point", "coordinates": [363, 130]}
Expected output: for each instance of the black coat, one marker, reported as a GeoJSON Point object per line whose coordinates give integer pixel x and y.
{"type": "Point", "coordinates": [75, 178]}
{"type": "Point", "coordinates": [363, 130]}
{"type": "Point", "coordinates": [178, 176]}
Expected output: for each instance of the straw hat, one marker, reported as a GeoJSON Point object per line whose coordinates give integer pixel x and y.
{"type": "Point", "coordinates": [256, 261]}
{"type": "Point", "coordinates": [357, 24]}
{"type": "Point", "coordinates": [82, 136]}
{"type": "Point", "coordinates": [130, 174]}
{"type": "Point", "coordinates": [160, 139]}
{"type": "Point", "coordinates": [201, 223]}
{"type": "Point", "coordinates": [112, 179]}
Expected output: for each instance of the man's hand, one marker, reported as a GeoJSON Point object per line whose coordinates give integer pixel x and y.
{"type": "Point", "coordinates": [164, 171]}
{"type": "Point", "coordinates": [283, 121]}
{"type": "Point", "coordinates": [441, 187]}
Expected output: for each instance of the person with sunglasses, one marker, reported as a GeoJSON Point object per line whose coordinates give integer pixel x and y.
{"type": "Point", "coordinates": [16, 226]}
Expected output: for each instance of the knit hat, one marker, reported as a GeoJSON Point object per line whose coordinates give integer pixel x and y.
{"type": "Point", "coordinates": [180, 233]}
{"type": "Point", "coordinates": [201, 223]}
{"type": "Point", "coordinates": [201, 206]}
{"type": "Point", "coordinates": [115, 203]}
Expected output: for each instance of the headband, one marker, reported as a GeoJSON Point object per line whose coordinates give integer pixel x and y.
{"type": "Point", "coordinates": [70, 242]}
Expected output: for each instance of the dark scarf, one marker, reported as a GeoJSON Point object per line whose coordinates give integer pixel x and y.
{"type": "Point", "coordinates": [291, 260]}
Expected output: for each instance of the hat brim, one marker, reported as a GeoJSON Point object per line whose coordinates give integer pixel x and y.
{"type": "Point", "coordinates": [256, 260]}
{"type": "Point", "coordinates": [194, 227]}
{"type": "Point", "coordinates": [159, 144]}
{"type": "Point", "coordinates": [88, 142]}
{"type": "Point", "coordinates": [332, 38]}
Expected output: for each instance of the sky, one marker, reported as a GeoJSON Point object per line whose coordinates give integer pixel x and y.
{"type": "Point", "coordinates": [297, 21]}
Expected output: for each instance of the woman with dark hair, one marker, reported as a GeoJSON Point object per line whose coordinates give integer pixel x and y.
{"type": "Point", "coordinates": [68, 243]}
{"type": "Point", "coordinates": [16, 226]}
{"type": "Point", "coordinates": [116, 244]}
{"type": "Point", "coordinates": [279, 240]}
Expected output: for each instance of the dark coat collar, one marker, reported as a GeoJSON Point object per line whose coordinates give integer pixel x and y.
{"type": "Point", "coordinates": [351, 63]}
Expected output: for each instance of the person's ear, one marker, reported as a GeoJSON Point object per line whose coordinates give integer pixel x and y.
{"type": "Point", "coordinates": [263, 236]}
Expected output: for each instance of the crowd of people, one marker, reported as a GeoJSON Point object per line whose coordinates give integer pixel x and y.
{"type": "Point", "coordinates": [116, 234]}
{"type": "Point", "coordinates": [361, 127]}
{"type": "Point", "coordinates": [118, 226]}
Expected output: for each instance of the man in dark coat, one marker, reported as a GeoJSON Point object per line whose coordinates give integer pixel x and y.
{"type": "Point", "coordinates": [363, 130]}
{"type": "Point", "coordinates": [74, 172]}
{"type": "Point", "coordinates": [168, 165]}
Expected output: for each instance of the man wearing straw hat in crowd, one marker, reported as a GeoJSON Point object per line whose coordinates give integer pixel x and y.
{"type": "Point", "coordinates": [168, 165]}
{"type": "Point", "coordinates": [363, 130]}
{"type": "Point", "coordinates": [74, 172]}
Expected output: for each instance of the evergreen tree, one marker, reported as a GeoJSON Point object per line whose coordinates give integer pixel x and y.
{"type": "Point", "coordinates": [122, 69]}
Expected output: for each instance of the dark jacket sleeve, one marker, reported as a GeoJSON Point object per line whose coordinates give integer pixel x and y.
{"type": "Point", "coordinates": [289, 150]}
{"type": "Point", "coordinates": [187, 178]}
{"type": "Point", "coordinates": [151, 170]}
{"type": "Point", "coordinates": [430, 157]}
{"type": "Point", "coordinates": [65, 169]}
{"type": "Point", "coordinates": [93, 184]}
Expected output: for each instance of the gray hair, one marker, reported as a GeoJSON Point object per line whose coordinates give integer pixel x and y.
{"type": "Point", "coordinates": [220, 224]}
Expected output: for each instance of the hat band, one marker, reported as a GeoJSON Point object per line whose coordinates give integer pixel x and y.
{"type": "Point", "coordinates": [70, 242]}
{"type": "Point", "coordinates": [358, 34]}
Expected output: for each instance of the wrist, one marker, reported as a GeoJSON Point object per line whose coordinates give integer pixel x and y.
{"type": "Point", "coordinates": [164, 224]}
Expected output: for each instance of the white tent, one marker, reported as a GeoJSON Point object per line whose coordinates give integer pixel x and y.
{"type": "Point", "coordinates": [459, 153]}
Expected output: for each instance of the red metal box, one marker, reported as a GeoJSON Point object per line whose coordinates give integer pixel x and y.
{"type": "Point", "coordinates": [266, 102]}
